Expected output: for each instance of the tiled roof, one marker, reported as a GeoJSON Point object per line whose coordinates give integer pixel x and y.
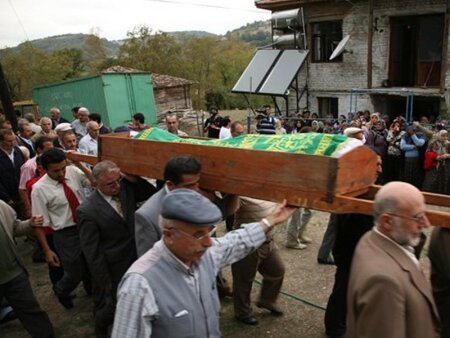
{"type": "Point", "coordinates": [159, 80]}
{"type": "Point", "coordinates": [164, 81]}
{"type": "Point", "coordinates": [276, 4]}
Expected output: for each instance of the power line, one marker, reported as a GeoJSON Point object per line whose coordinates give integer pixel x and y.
{"type": "Point", "coordinates": [18, 19]}
{"type": "Point", "coordinates": [178, 2]}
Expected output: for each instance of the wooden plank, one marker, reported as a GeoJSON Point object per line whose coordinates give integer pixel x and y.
{"type": "Point", "coordinates": [91, 159]}
{"type": "Point", "coordinates": [430, 198]}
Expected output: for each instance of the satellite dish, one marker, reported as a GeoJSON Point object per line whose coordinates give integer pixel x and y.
{"type": "Point", "coordinates": [340, 47]}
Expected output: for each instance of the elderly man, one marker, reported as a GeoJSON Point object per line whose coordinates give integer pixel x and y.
{"type": "Point", "coordinates": [172, 124]}
{"type": "Point", "coordinates": [106, 227]}
{"type": "Point", "coordinates": [14, 283]}
{"type": "Point", "coordinates": [56, 196]}
{"type": "Point", "coordinates": [88, 143]}
{"type": "Point", "coordinates": [388, 294]}
{"type": "Point", "coordinates": [46, 129]}
{"type": "Point", "coordinates": [237, 129]}
{"type": "Point", "coordinates": [55, 115]}
{"type": "Point", "coordinates": [80, 124]}
{"type": "Point", "coordinates": [170, 291]}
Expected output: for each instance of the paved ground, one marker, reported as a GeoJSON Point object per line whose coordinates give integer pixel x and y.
{"type": "Point", "coordinates": [305, 279]}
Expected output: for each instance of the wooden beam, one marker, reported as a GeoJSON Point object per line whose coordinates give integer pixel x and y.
{"type": "Point", "coordinates": [444, 62]}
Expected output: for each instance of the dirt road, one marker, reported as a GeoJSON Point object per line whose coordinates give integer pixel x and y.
{"type": "Point", "coordinates": [304, 279]}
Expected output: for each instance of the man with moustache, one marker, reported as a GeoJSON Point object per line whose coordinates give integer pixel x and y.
{"type": "Point", "coordinates": [171, 290]}
{"type": "Point", "coordinates": [388, 294]}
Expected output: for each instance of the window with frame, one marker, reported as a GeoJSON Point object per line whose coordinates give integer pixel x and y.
{"type": "Point", "coordinates": [325, 37]}
{"type": "Point", "coordinates": [328, 106]}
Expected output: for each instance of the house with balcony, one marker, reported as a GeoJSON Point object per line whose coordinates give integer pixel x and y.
{"type": "Point", "coordinates": [396, 60]}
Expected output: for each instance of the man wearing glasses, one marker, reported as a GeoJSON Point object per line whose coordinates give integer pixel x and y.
{"type": "Point", "coordinates": [171, 290]}
{"type": "Point", "coordinates": [388, 294]}
{"type": "Point", "coordinates": [106, 228]}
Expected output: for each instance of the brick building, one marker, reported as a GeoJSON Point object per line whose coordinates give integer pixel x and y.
{"type": "Point", "coordinates": [397, 52]}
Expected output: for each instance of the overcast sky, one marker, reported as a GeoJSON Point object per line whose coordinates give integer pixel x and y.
{"type": "Point", "coordinates": [21, 20]}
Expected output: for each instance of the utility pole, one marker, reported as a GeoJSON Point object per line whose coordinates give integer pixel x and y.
{"type": "Point", "coordinates": [5, 98]}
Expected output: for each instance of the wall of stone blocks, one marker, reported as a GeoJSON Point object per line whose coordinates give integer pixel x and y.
{"type": "Point", "coordinates": [336, 79]}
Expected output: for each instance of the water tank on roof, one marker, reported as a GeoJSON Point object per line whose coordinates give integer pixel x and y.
{"type": "Point", "coordinates": [287, 20]}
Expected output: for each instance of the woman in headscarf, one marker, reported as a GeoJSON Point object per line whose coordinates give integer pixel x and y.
{"type": "Point", "coordinates": [410, 144]}
{"type": "Point", "coordinates": [394, 159]}
{"type": "Point", "coordinates": [441, 146]}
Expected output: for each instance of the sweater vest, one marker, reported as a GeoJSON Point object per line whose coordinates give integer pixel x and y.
{"type": "Point", "coordinates": [181, 312]}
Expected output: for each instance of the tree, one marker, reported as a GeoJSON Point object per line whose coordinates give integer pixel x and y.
{"type": "Point", "coordinates": [154, 52]}
{"type": "Point", "coordinates": [31, 67]}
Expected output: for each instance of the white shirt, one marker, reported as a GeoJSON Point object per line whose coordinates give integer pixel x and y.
{"type": "Point", "coordinates": [88, 145]}
{"type": "Point", "coordinates": [224, 133]}
{"type": "Point", "coordinates": [48, 198]}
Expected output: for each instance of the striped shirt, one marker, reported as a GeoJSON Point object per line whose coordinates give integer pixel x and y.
{"type": "Point", "coordinates": [136, 303]}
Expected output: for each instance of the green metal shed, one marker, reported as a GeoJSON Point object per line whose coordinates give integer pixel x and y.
{"type": "Point", "coordinates": [115, 96]}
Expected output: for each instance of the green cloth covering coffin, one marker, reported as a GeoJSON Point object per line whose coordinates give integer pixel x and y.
{"type": "Point", "coordinates": [304, 143]}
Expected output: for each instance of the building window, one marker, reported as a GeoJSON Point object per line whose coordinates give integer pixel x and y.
{"type": "Point", "coordinates": [325, 37]}
{"type": "Point", "coordinates": [328, 106]}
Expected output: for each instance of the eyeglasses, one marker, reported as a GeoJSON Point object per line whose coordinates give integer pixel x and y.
{"type": "Point", "coordinates": [113, 183]}
{"type": "Point", "coordinates": [420, 218]}
{"type": "Point", "coordinates": [197, 237]}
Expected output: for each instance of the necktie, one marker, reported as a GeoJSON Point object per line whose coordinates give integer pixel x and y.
{"type": "Point", "coordinates": [116, 200]}
{"type": "Point", "coordinates": [72, 199]}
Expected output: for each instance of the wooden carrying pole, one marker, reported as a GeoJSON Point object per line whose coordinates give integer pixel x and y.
{"type": "Point", "coordinates": [336, 185]}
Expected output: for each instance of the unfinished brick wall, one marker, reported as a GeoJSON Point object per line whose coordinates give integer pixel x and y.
{"type": "Point", "coordinates": [336, 79]}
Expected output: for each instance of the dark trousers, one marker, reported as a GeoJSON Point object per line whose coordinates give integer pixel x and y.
{"type": "Point", "coordinates": [335, 314]}
{"type": "Point", "coordinates": [67, 245]}
{"type": "Point", "coordinates": [104, 309]}
{"type": "Point", "coordinates": [54, 272]}
{"type": "Point", "coordinates": [20, 297]}
{"type": "Point", "coordinates": [328, 240]}
{"type": "Point", "coordinates": [267, 261]}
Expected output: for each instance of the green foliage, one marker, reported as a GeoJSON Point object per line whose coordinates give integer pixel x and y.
{"type": "Point", "coordinates": [32, 67]}
{"type": "Point", "coordinates": [213, 62]}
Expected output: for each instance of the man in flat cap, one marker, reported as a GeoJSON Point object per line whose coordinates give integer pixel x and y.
{"type": "Point", "coordinates": [171, 289]}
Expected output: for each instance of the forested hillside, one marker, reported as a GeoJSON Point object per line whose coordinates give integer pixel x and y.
{"type": "Point", "coordinates": [213, 62]}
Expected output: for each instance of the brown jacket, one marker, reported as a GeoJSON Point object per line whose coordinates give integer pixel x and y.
{"type": "Point", "coordinates": [388, 295]}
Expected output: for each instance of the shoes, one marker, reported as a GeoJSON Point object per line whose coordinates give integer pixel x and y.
{"type": "Point", "coordinates": [298, 246]}
{"type": "Point", "coordinates": [64, 298]}
{"type": "Point", "coordinates": [274, 310]}
{"type": "Point", "coordinates": [249, 320]}
{"type": "Point", "coordinates": [11, 315]}
{"type": "Point", "coordinates": [305, 239]}
{"type": "Point", "coordinates": [329, 261]}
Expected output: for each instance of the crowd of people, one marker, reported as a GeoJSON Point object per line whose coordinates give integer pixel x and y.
{"type": "Point", "coordinates": [147, 254]}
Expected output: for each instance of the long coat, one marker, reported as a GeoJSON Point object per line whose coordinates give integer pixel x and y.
{"type": "Point", "coordinates": [388, 295]}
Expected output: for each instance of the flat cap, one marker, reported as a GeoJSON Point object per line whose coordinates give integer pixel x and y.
{"type": "Point", "coordinates": [352, 131]}
{"type": "Point", "coordinates": [191, 207]}
{"type": "Point", "coordinates": [63, 127]}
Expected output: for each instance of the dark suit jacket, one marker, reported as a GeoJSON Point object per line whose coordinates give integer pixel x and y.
{"type": "Point", "coordinates": [147, 230]}
{"type": "Point", "coordinates": [10, 176]}
{"type": "Point", "coordinates": [439, 254]}
{"type": "Point", "coordinates": [388, 295]}
{"type": "Point", "coordinates": [21, 142]}
{"type": "Point", "coordinates": [106, 238]}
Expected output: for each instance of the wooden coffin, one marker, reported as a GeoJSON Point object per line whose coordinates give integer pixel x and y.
{"type": "Point", "coordinates": [338, 185]}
